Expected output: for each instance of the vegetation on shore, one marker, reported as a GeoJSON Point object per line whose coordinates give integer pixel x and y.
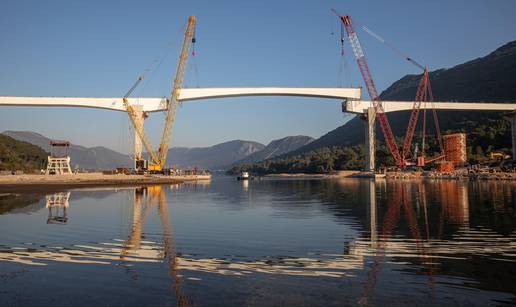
{"type": "Point", "coordinates": [321, 160]}
{"type": "Point", "coordinates": [18, 155]}
{"type": "Point", "coordinates": [482, 140]}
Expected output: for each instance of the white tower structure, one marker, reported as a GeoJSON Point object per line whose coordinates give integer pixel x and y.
{"type": "Point", "coordinates": [59, 160]}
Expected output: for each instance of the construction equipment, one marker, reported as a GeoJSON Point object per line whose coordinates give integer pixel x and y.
{"type": "Point", "coordinates": [499, 155]}
{"type": "Point", "coordinates": [135, 116]}
{"type": "Point", "coordinates": [371, 88]}
{"type": "Point", "coordinates": [423, 94]}
{"type": "Point", "coordinates": [157, 159]}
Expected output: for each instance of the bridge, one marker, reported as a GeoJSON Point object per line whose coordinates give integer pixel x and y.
{"type": "Point", "coordinates": [186, 94]}
{"type": "Point", "coordinates": [366, 108]}
{"type": "Point", "coordinates": [350, 98]}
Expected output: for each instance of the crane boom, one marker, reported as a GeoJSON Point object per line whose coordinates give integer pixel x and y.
{"type": "Point", "coordinates": [157, 160]}
{"type": "Point", "coordinates": [396, 50]}
{"type": "Point", "coordinates": [422, 94]}
{"type": "Point", "coordinates": [130, 91]}
{"type": "Point", "coordinates": [189, 38]}
{"type": "Point", "coordinates": [371, 89]}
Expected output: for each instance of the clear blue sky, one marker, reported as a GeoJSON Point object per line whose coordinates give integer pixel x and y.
{"type": "Point", "coordinates": [98, 48]}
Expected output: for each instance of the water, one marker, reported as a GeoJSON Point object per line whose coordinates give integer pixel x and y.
{"type": "Point", "coordinates": [268, 242]}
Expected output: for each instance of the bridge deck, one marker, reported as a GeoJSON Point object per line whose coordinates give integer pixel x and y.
{"type": "Point", "coordinates": [186, 94]}
{"type": "Point", "coordinates": [361, 106]}
{"type": "Point", "coordinates": [157, 104]}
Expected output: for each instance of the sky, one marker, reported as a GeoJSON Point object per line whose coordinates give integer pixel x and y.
{"type": "Point", "coordinates": [99, 48]}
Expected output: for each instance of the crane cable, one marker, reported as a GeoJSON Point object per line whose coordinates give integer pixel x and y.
{"type": "Point", "coordinates": [343, 73]}
{"type": "Point", "coordinates": [152, 68]}
{"type": "Point", "coordinates": [386, 43]}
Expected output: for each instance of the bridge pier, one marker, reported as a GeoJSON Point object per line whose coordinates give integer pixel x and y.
{"type": "Point", "coordinates": [138, 154]}
{"type": "Point", "coordinates": [511, 117]}
{"type": "Point", "coordinates": [370, 138]}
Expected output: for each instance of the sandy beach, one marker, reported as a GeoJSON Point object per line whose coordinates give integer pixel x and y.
{"type": "Point", "coordinates": [12, 182]}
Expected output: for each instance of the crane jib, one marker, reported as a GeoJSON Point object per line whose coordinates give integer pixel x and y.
{"type": "Point", "coordinates": [371, 89]}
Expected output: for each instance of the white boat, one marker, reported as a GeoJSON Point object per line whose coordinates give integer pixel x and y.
{"type": "Point", "coordinates": [243, 176]}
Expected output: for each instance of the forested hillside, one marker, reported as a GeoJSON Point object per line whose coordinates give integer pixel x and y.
{"type": "Point", "coordinates": [19, 155]}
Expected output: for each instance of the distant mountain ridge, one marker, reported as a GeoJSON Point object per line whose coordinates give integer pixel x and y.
{"type": "Point", "coordinates": [490, 78]}
{"type": "Point", "coordinates": [277, 147]}
{"type": "Point", "coordinates": [486, 79]}
{"type": "Point", "coordinates": [94, 158]}
{"type": "Point", "coordinates": [219, 156]}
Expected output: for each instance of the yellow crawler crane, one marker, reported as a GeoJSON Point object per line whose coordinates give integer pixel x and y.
{"type": "Point", "coordinates": [157, 159]}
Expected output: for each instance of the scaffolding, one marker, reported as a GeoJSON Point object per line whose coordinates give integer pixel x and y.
{"type": "Point", "coordinates": [455, 148]}
{"type": "Point", "coordinates": [59, 160]}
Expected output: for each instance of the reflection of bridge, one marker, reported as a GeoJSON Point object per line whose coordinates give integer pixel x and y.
{"type": "Point", "coordinates": [349, 96]}
{"type": "Point", "coordinates": [374, 254]}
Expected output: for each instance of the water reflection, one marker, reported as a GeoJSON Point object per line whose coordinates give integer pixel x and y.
{"type": "Point", "coordinates": [155, 198]}
{"type": "Point", "coordinates": [432, 252]}
{"type": "Point", "coordinates": [12, 202]}
{"type": "Point", "coordinates": [441, 239]}
{"type": "Point", "coordinates": [57, 205]}
{"type": "Point", "coordinates": [245, 185]}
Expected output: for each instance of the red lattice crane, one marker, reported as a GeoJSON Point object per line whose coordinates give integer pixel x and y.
{"type": "Point", "coordinates": [423, 94]}
{"type": "Point", "coordinates": [371, 89]}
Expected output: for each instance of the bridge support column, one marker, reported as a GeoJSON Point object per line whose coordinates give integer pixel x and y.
{"type": "Point", "coordinates": [511, 117]}
{"type": "Point", "coordinates": [370, 138]}
{"type": "Point", "coordinates": [138, 154]}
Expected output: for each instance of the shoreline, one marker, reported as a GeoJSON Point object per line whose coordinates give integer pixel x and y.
{"type": "Point", "coordinates": [337, 174]}
{"type": "Point", "coordinates": [38, 182]}
{"type": "Point", "coordinates": [507, 176]}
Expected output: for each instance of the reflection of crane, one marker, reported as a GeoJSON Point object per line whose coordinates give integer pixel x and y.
{"type": "Point", "coordinates": [158, 159]}
{"type": "Point", "coordinates": [453, 201]}
{"type": "Point", "coordinates": [155, 195]}
{"type": "Point", "coordinates": [401, 199]}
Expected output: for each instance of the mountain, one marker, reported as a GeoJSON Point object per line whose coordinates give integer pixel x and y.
{"type": "Point", "coordinates": [19, 155]}
{"type": "Point", "coordinates": [219, 156]}
{"type": "Point", "coordinates": [94, 158]}
{"type": "Point", "coordinates": [491, 78]}
{"type": "Point", "coordinates": [277, 148]}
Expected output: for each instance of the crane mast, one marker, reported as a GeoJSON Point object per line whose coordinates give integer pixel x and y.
{"type": "Point", "coordinates": [158, 159]}
{"type": "Point", "coordinates": [173, 102]}
{"type": "Point", "coordinates": [371, 89]}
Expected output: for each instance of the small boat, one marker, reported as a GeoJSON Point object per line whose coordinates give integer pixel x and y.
{"type": "Point", "coordinates": [244, 176]}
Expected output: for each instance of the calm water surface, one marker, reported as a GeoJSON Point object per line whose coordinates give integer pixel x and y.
{"type": "Point", "coordinates": [267, 242]}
